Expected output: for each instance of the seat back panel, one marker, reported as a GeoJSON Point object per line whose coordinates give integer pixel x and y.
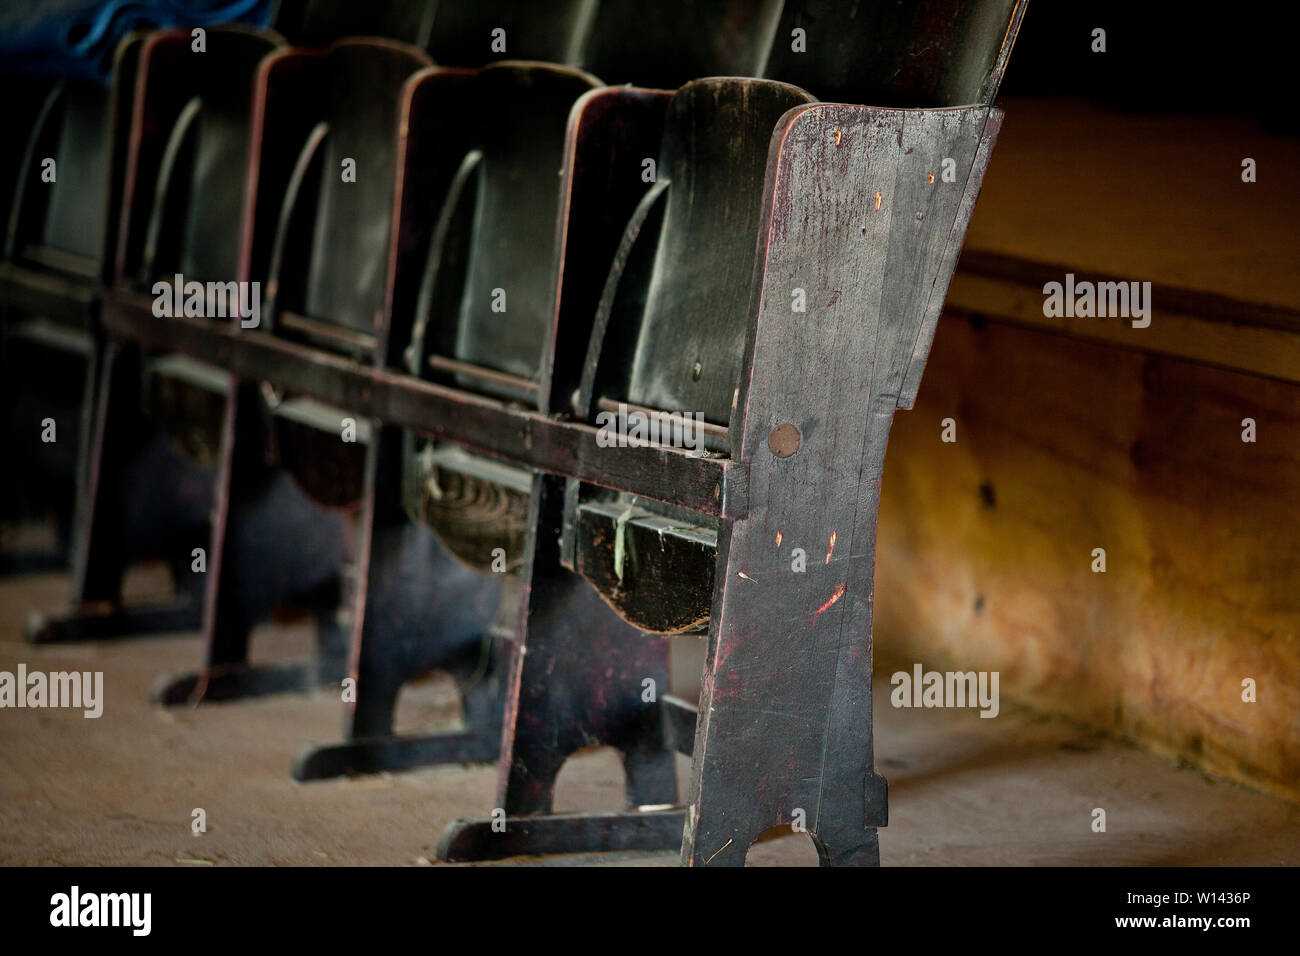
{"type": "Point", "coordinates": [321, 22]}
{"type": "Point", "coordinates": [682, 40]}
{"type": "Point", "coordinates": [548, 31]}
{"type": "Point", "coordinates": [690, 332]}
{"type": "Point", "coordinates": [514, 228]}
{"type": "Point", "coordinates": [348, 266]}
{"type": "Point", "coordinates": [218, 180]}
{"type": "Point", "coordinates": [77, 211]}
{"type": "Point", "coordinates": [926, 53]}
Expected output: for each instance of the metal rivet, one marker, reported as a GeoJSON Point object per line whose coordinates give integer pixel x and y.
{"type": "Point", "coordinates": [784, 440]}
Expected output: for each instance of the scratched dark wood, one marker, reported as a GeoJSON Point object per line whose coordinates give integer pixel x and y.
{"type": "Point", "coordinates": [594, 697]}
{"type": "Point", "coordinates": [125, 460]}
{"type": "Point", "coordinates": [785, 707]}
{"type": "Point", "coordinates": [656, 556]}
{"type": "Point", "coordinates": [433, 137]}
{"type": "Point", "coordinates": [496, 233]}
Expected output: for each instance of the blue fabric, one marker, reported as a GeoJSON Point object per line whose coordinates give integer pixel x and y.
{"type": "Point", "coordinates": [78, 37]}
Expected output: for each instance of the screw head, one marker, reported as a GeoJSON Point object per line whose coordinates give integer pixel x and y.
{"type": "Point", "coordinates": [783, 440]}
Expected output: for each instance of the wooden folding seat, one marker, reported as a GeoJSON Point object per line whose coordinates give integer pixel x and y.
{"type": "Point", "coordinates": [783, 277]}
{"type": "Point", "coordinates": [443, 527]}
{"type": "Point", "coordinates": [148, 489]}
{"type": "Point", "coordinates": [290, 472]}
{"type": "Point", "coordinates": [606, 533]}
{"type": "Point", "coordinates": [63, 148]}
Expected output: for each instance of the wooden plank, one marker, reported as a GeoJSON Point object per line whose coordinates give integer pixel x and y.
{"type": "Point", "coordinates": [855, 218]}
{"type": "Point", "coordinates": [1203, 327]}
{"type": "Point", "coordinates": [708, 485]}
{"type": "Point", "coordinates": [1077, 188]}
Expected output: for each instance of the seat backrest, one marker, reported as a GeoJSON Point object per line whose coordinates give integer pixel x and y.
{"type": "Point", "coordinates": [22, 100]}
{"type": "Point", "coordinates": [321, 22]}
{"type": "Point", "coordinates": [71, 234]}
{"type": "Point", "coordinates": [217, 176]}
{"type": "Point", "coordinates": [62, 223]}
{"type": "Point", "coordinates": [670, 335]}
{"type": "Point", "coordinates": [886, 53]}
{"type": "Point", "coordinates": [194, 206]}
{"type": "Point", "coordinates": [483, 316]}
{"type": "Point", "coordinates": [492, 266]}
{"type": "Point", "coordinates": [677, 41]}
{"type": "Point", "coordinates": [346, 268]}
{"type": "Point", "coordinates": [544, 30]}
{"type": "Point", "coordinates": [675, 333]}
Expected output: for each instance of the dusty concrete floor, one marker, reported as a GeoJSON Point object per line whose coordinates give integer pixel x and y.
{"type": "Point", "coordinates": [120, 790]}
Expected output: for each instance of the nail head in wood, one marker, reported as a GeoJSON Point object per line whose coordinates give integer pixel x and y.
{"type": "Point", "coordinates": [784, 440]}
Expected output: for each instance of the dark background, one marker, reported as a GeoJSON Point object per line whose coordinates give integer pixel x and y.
{"type": "Point", "coordinates": [1163, 57]}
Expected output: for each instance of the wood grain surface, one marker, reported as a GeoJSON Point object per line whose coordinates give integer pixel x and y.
{"type": "Point", "coordinates": [1063, 446]}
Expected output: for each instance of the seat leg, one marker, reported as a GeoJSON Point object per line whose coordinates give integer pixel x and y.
{"type": "Point", "coordinates": [418, 610]}
{"type": "Point", "coordinates": [785, 728]}
{"type": "Point", "coordinates": [577, 682]}
{"type": "Point", "coordinates": [120, 461]}
{"type": "Point", "coordinates": [270, 546]}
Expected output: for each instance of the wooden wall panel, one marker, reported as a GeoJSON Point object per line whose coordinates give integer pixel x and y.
{"type": "Point", "coordinates": [1063, 446]}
